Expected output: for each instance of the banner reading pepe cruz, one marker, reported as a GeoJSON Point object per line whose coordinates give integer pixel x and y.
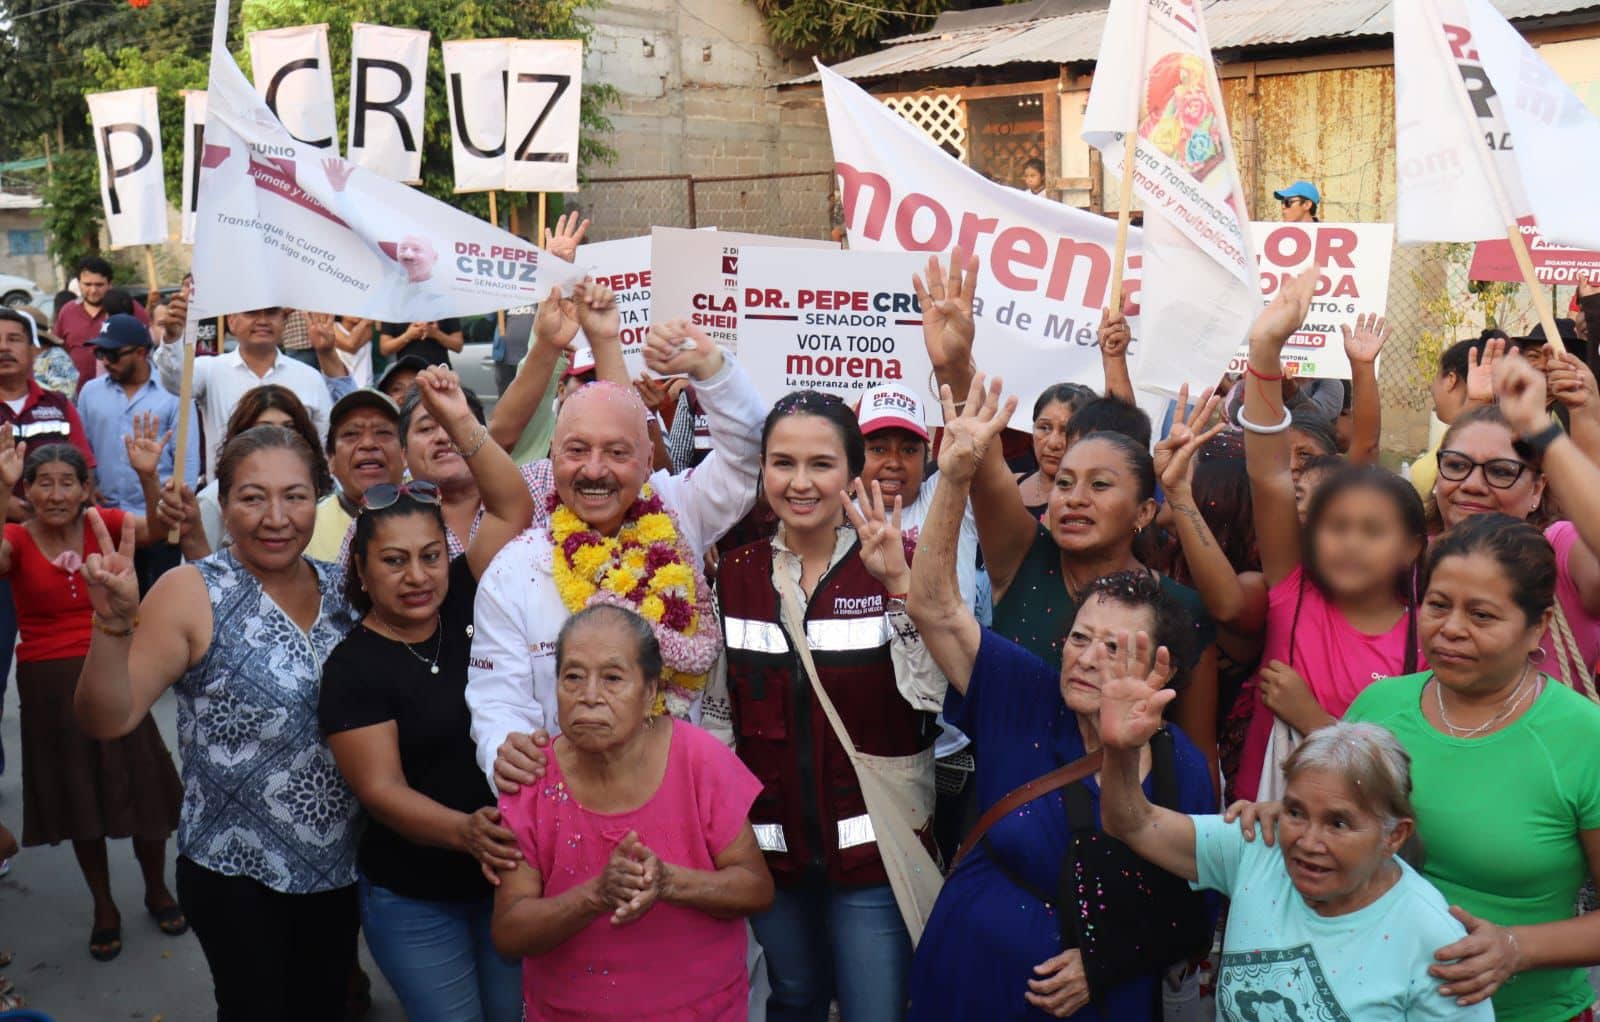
{"type": "Point", "coordinates": [281, 222]}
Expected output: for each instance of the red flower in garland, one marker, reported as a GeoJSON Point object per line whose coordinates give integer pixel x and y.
{"type": "Point", "coordinates": [140, 4]}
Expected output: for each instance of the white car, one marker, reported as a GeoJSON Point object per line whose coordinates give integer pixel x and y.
{"type": "Point", "coordinates": [15, 291]}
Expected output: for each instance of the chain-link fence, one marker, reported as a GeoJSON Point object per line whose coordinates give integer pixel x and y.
{"type": "Point", "coordinates": [794, 204]}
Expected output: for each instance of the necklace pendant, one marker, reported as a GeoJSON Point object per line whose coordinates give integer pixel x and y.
{"type": "Point", "coordinates": [433, 668]}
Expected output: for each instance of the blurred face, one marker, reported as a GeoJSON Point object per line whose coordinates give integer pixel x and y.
{"type": "Point", "coordinates": [601, 455]}
{"type": "Point", "coordinates": [93, 287]}
{"type": "Point", "coordinates": [1335, 850]}
{"type": "Point", "coordinates": [258, 329]}
{"type": "Point", "coordinates": [430, 455]}
{"type": "Point", "coordinates": [1032, 180]}
{"type": "Point", "coordinates": [398, 384]}
{"type": "Point", "coordinates": [407, 567]}
{"type": "Point", "coordinates": [803, 472]}
{"type": "Point", "coordinates": [1361, 544]}
{"type": "Point", "coordinates": [271, 509]}
{"type": "Point", "coordinates": [1095, 505]}
{"type": "Point", "coordinates": [57, 494]}
{"type": "Point", "coordinates": [1050, 437]}
{"type": "Point", "coordinates": [366, 451]}
{"type": "Point", "coordinates": [1475, 636]}
{"type": "Point", "coordinates": [1483, 490]}
{"type": "Point", "coordinates": [16, 352]}
{"type": "Point", "coordinates": [602, 697]}
{"type": "Point", "coordinates": [896, 459]}
{"type": "Point", "coordinates": [1090, 643]}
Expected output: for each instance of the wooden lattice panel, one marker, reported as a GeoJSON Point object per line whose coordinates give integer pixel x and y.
{"type": "Point", "coordinates": [939, 115]}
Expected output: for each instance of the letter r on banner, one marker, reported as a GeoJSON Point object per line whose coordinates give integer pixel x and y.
{"type": "Point", "coordinates": [388, 87]}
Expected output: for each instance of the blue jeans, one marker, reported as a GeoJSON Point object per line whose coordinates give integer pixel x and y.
{"type": "Point", "coordinates": [439, 957]}
{"type": "Point", "coordinates": [824, 943]}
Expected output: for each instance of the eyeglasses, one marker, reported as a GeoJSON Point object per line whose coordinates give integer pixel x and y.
{"type": "Point", "coordinates": [386, 494]}
{"type": "Point", "coordinates": [109, 355]}
{"type": "Point", "coordinates": [1500, 473]}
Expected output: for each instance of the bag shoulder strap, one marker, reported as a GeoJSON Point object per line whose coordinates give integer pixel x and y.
{"type": "Point", "coordinates": [794, 624]}
{"type": "Point", "coordinates": [1020, 796]}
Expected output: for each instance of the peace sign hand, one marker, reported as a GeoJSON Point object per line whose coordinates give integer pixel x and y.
{"type": "Point", "coordinates": [968, 435]}
{"type": "Point", "coordinates": [1132, 697]}
{"type": "Point", "coordinates": [1174, 456]}
{"type": "Point", "coordinates": [946, 300]}
{"type": "Point", "coordinates": [883, 551]}
{"type": "Point", "coordinates": [113, 585]}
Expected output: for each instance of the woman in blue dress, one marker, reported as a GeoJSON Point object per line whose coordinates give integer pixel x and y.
{"type": "Point", "coordinates": [994, 946]}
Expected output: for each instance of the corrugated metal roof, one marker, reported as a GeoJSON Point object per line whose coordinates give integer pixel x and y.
{"type": "Point", "coordinates": [9, 200]}
{"type": "Point", "coordinates": [1231, 24]}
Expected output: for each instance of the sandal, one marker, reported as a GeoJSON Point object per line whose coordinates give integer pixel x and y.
{"type": "Point", "coordinates": [12, 1001]}
{"type": "Point", "coordinates": [105, 944]}
{"type": "Point", "coordinates": [170, 919]}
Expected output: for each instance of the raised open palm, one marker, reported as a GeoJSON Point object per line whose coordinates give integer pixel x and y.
{"type": "Point", "coordinates": [946, 299]}
{"type": "Point", "coordinates": [145, 444]}
{"type": "Point", "coordinates": [968, 435]}
{"type": "Point", "coordinates": [556, 322]}
{"type": "Point", "coordinates": [1133, 696]}
{"type": "Point", "coordinates": [12, 456]}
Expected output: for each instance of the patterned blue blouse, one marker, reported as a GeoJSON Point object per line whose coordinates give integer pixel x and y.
{"type": "Point", "coordinates": [262, 797]}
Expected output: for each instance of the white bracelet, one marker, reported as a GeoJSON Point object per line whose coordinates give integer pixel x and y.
{"type": "Point", "coordinates": [1250, 427]}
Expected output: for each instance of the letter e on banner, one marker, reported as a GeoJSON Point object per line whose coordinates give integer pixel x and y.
{"type": "Point", "coordinates": [546, 77]}
{"type": "Point", "coordinates": [295, 76]}
{"type": "Point", "coordinates": [194, 140]}
{"type": "Point", "coordinates": [127, 142]}
{"type": "Point", "coordinates": [388, 86]}
{"type": "Point", "coordinates": [475, 88]}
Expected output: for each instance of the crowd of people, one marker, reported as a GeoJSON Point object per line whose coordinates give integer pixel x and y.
{"type": "Point", "coordinates": [640, 698]}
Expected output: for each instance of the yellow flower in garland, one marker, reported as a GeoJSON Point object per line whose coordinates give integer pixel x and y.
{"type": "Point", "coordinates": [671, 576]}
{"type": "Point", "coordinates": [634, 562]}
{"type": "Point", "coordinates": [590, 560]}
{"type": "Point", "coordinates": [620, 581]}
{"type": "Point", "coordinates": [656, 528]}
{"type": "Point", "coordinates": [651, 608]}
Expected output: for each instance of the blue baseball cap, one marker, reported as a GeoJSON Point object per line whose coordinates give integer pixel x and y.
{"type": "Point", "coordinates": [122, 331]}
{"type": "Point", "coordinates": [1300, 190]}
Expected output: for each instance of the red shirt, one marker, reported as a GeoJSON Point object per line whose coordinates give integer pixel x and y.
{"type": "Point", "coordinates": [46, 418]}
{"type": "Point", "coordinates": [53, 611]}
{"type": "Point", "coordinates": [77, 328]}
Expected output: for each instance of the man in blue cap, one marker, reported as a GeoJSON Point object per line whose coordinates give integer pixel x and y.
{"type": "Point", "coordinates": [1300, 202]}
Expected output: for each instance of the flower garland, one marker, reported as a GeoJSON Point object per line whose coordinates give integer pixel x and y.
{"type": "Point", "coordinates": [646, 568]}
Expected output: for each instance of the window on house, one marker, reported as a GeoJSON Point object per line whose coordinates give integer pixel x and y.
{"type": "Point", "coordinates": [21, 243]}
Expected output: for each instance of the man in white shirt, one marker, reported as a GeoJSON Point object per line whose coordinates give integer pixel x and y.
{"type": "Point", "coordinates": [221, 380]}
{"type": "Point", "coordinates": [600, 460]}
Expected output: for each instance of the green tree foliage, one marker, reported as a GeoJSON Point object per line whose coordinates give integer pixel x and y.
{"type": "Point", "coordinates": [833, 29]}
{"type": "Point", "coordinates": [72, 212]}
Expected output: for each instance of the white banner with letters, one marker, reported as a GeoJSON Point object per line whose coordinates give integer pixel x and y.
{"type": "Point", "coordinates": [127, 143]}
{"type": "Point", "coordinates": [388, 86]}
{"type": "Point", "coordinates": [544, 84]}
{"type": "Point", "coordinates": [194, 136]}
{"type": "Point", "coordinates": [475, 73]}
{"type": "Point", "coordinates": [623, 266]}
{"type": "Point", "coordinates": [294, 74]}
{"type": "Point", "coordinates": [281, 222]}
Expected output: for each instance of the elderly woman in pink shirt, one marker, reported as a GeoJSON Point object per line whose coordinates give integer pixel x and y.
{"type": "Point", "coordinates": [639, 861]}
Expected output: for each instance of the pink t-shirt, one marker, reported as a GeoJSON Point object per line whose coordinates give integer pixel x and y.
{"type": "Point", "coordinates": [674, 964]}
{"type": "Point", "coordinates": [1335, 659]}
{"type": "Point", "coordinates": [1563, 536]}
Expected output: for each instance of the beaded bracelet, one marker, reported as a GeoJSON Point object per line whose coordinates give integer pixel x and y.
{"type": "Point", "coordinates": [483, 438]}
{"type": "Point", "coordinates": [101, 626]}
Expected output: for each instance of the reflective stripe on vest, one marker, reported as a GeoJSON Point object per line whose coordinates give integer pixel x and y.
{"type": "Point", "coordinates": [841, 635]}
{"type": "Point", "coordinates": [754, 636]}
{"type": "Point", "coordinates": [856, 831]}
{"type": "Point", "coordinates": [769, 837]}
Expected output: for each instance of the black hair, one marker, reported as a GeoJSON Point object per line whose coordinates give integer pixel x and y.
{"type": "Point", "coordinates": [1521, 551]}
{"type": "Point", "coordinates": [9, 315]}
{"type": "Point", "coordinates": [646, 647]}
{"type": "Point", "coordinates": [1034, 164]}
{"type": "Point", "coordinates": [1173, 626]}
{"type": "Point", "coordinates": [96, 265]}
{"type": "Point", "coordinates": [1493, 416]}
{"type": "Point", "coordinates": [254, 440]}
{"type": "Point", "coordinates": [49, 454]}
{"type": "Point", "coordinates": [1221, 490]}
{"type": "Point", "coordinates": [413, 401]}
{"type": "Point", "coordinates": [1073, 395]}
{"type": "Point", "coordinates": [823, 406]}
{"type": "Point", "coordinates": [1314, 426]}
{"type": "Point", "coordinates": [1453, 360]}
{"type": "Point", "coordinates": [117, 302]}
{"type": "Point", "coordinates": [366, 524]}
{"type": "Point", "coordinates": [1110, 415]}
{"type": "Point", "coordinates": [1136, 455]}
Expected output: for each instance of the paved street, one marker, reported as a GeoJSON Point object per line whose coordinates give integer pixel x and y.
{"type": "Point", "coordinates": [45, 918]}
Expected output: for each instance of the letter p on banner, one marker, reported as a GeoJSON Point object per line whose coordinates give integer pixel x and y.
{"type": "Point", "coordinates": [127, 142]}
{"type": "Point", "coordinates": [388, 85]}
{"type": "Point", "coordinates": [546, 77]}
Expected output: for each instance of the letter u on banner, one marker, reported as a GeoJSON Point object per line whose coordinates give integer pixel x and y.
{"type": "Point", "coordinates": [295, 77]}
{"type": "Point", "coordinates": [475, 87]}
{"type": "Point", "coordinates": [546, 77]}
{"type": "Point", "coordinates": [194, 140]}
{"type": "Point", "coordinates": [388, 85]}
{"type": "Point", "coordinates": [127, 142]}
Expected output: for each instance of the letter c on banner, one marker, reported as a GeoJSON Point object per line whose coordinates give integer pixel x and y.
{"type": "Point", "coordinates": [110, 171]}
{"type": "Point", "coordinates": [303, 64]}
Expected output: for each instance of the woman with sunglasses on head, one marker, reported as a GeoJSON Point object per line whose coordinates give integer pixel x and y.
{"type": "Point", "coordinates": [394, 710]}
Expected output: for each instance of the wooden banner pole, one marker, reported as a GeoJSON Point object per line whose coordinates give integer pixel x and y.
{"type": "Point", "coordinates": [154, 285]}
{"type": "Point", "coordinates": [1547, 317]}
{"type": "Point", "coordinates": [539, 234]}
{"type": "Point", "coordinates": [180, 453]}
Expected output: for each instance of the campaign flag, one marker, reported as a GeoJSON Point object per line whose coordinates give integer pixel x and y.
{"type": "Point", "coordinates": [1552, 263]}
{"type": "Point", "coordinates": [475, 72]}
{"type": "Point", "coordinates": [295, 76]}
{"type": "Point", "coordinates": [388, 85]}
{"type": "Point", "coordinates": [194, 134]}
{"type": "Point", "coordinates": [545, 79]}
{"type": "Point", "coordinates": [1045, 267]}
{"type": "Point", "coordinates": [282, 222]}
{"type": "Point", "coordinates": [127, 143]}
{"type": "Point", "coordinates": [1200, 294]}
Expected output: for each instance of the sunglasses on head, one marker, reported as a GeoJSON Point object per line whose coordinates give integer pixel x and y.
{"type": "Point", "coordinates": [386, 494]}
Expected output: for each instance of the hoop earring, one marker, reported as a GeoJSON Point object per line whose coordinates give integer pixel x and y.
{"type": "Point", "coordinates": [1536, 657]}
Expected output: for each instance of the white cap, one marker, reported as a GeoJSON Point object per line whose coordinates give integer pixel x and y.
{"type": "Point", "coordinates": [582, 362]}
{"type": "Point", "coordinates": [892, 408]}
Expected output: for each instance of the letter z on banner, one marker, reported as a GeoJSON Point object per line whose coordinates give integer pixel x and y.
{"type": "Point", "coordinates": [295, 76]}
{"type": "Point", "coordinates": [546, 79]}
{"type": "Point", "coordinates": [127, 141]}
{"type": "Point", "coordinates": [475, 72]}
{"type": "Point", "coordinates": [194, 136]}
{"type": "Point", "coordinates": [388, 84]}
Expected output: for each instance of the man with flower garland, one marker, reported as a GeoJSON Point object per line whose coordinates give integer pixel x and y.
{"type": "Point", "coordinates": [616, 534]}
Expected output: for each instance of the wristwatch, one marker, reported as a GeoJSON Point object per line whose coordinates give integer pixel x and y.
{"type": "Point", "coordinates": [1541, 441]}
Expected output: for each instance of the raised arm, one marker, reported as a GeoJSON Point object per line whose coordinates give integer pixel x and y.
{"type": "Point", "coordinates": [324, 344]}
{"type": "Point", "coordinates": [507, 504]}
{"type": "Point", "coordinates": [12, 457]}
{"type": "Point", "coordinates": [596, 307]}
{"type": "Point", "coordinates": [554, 327]}
{"type": "Point", "coordinates": [949, 629]}
{"type": "Point", "coordinates": [1572, 383]}
{"type": "Point", "coordinates": [1264, 419]}
{"type": "Point", "coordinates": [1131, 701]}
{"type": "Point", "coordinates": [1114, 340]}
{"type": "Point", "coordinates": [1214, 578]}
{"type": "Point", "coordinates": [1366, 412]}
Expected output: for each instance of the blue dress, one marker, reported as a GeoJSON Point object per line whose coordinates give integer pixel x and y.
{"type": "Point", "coordinates": [985, 934]}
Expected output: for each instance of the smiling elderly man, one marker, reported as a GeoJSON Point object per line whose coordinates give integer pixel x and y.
{"type": "Point", "coordinates": [619, 534]}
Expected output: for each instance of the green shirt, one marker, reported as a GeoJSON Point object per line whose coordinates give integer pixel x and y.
{"type": "Point", "coordinates": [1499, 818]}
{"type": "Point", "coordinates": [534, 444]}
